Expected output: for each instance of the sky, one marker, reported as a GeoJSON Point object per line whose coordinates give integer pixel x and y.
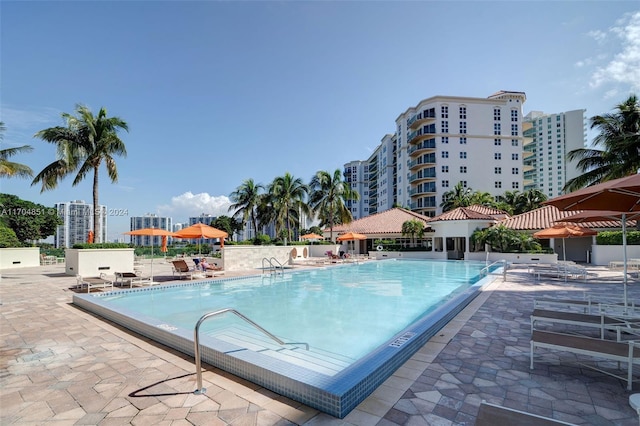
{"type": "Point", "coordinates": [215, 93]}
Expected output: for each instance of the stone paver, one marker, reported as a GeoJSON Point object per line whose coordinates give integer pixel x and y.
{"type": "Point", "coordinates": [61, 365]}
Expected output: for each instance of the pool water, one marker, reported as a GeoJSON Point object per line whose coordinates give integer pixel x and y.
{"type": "Point", "coordinates": [347, 311]}
{"type": "Point", "coordinates": [361, 322]}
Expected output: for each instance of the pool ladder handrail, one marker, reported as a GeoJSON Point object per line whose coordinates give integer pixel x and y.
{"type": "Point", "coordinates": [196, 339]}
{"type": "Point", "coordinates": [274, 264]}
{"type": "Point", "coordinates": [485, 271]}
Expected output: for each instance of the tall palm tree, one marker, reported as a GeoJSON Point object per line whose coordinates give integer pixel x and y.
{"type": "Point", "coordinates": [286, 197]}
{"type": "Point", "coordinates": [82, 146]}
{"type": "Point", "coordinates": [528, 200]}
{"type": "Point", "coordinates": [9, 168]}
{"type": "Point", "coordinates": [459, 196]}
{"type": "Point", "coordinates": [620, 139]}
{"type": "Point", "coordinates": [246, 199]}
{"type": "Point", "coordinates": [328, 197]}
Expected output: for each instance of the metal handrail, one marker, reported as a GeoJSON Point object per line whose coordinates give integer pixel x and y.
{"type": "Point", "coordinates": [277, 265]}
{"type": "Point", "coordinates": [269, 262]}
{"type": "Point", "coordinates": [485, 271]}
{"type": "Point", "coordinates": [196, 339]}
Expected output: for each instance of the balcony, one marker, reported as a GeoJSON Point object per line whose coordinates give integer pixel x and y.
{"type": "Point", "coordinates": [419, 163]}
{"type": "Point", "coordinates": [422, 190]}
{"type": "Point", "coordinates": [422, 147]}
{"type": "Point", "coordinates": [420, 134]}
{"type": "Point", "coordinates": [423, 175]}
{"type": "Point", "coordinates": [421, 118]}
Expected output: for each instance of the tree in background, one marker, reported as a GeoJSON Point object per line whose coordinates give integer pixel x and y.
{"type": "Point", "coordinates": [29, 221]}
{"type": "Point", "coordinates": [328, 197]}
{"type": "Point", "coordinates": [459, 196]}
{"type": "Point", "coordinates": [228, 225]}
{"type": "Point", "coordinates": [619, 138]}
{"type": "Point", "coordinates": [530, 199]}
{"type": "Point", "coordinates": [286, 197]}
{"type": "Point", "coordinates": [8, 168]}
{"type": "Point", "coordinates": [246, 199]}
{"type": "Point", "coordinates": [82, 146]}
{"type": "Point", "coordinates": [413, 228]}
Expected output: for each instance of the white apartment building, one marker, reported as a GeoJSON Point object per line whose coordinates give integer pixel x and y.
{"type": "Point", "coordinates": [149, 221]}
{"type": "Point", "coordinates": [356, 174]}
{"type": "Point", "coordinates": [444, 140]}
{"type": "Point", "coordinates": [548, 139]}
{"type": "Point", "coordinates": [77, 218]}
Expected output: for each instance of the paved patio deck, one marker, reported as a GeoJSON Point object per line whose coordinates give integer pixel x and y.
{"type": "Point", "coordinates": [60, 365]}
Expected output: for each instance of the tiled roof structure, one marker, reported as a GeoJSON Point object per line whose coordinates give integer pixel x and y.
{"type": "Point", "coordinates": [547, 216]}
{"type": "Point", "coordinates": [475, 212]}
{"type": "Point", "coordinates": [386, 222]}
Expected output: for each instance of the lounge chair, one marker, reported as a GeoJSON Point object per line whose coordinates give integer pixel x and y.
{"type": "Point", "coordinates": [181, 268]}
{"type": "Point", "coordinates": [628, 352]}
{"type": "Point", "coordinates": [491, 415]}
{"type": "Point", "coordinates": [602, 321]}
{"type": "Point", "coordinates": [559, 270]}
{"type": "Point", "coordinates": [94, 282]}
{"type": "Point", "coordinates": [132, 279]}
{"type": "Point", "coordinates": [589, 306]}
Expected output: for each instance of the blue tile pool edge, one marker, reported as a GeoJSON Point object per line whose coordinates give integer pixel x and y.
{"type": "Point", "coordinates": [335, 395]}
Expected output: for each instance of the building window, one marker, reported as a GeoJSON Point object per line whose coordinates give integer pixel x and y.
{"type": "Point", "coordinates": [463, 127]}
{"type": "Point", "coordinates": [463, 169]}
{"type": "Point", "coordinates": [496, 129]}
{"type": "Point", "coordinates": [514, 130]}
{"type": "Point", "coordinates": [445, 169]}
{"type": "Point", "coordinates": [464, 183]}
{"type": "Point", "coordinates": [515, 185]}
{"type": "Point", "coordinates": [514, 115]}
{"type": "Point", "coordinates": [497, 170]}
{"type": "Point", "coordinates": [463, 141]}
{"type": "Point", "coordinates": [444, 111]}
{"type": "Point", "coordinates": [445, 183]}
{"type": "Point", "coordinates": [445, 127]}
{"type": "Point", "coordinates": [514, 156]}
{"type": "Point", "coordinates": [445, 154]}
{"type": "Point", "coordinates": [445, 139]}
{"type": "Point", "coordinates": [463, 155]}
{"type": "Point", "coordinates": [497, 142]}
{"type": "Point", "coordinates": [497, 184]}
{"type": "Point", "coordinates": [496, 114]}
{"type": "Point", "coordinates": [497, 156]}
{"type": "Point", "coordinates": [515, 171]}
{"type": "Point", "coordinates": [463, 113]}
{"type": "Point", "coordinates": [514, 142]}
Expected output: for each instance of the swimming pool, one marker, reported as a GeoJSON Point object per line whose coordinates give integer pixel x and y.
{"type": "Point", "coordinates": [361, 322]}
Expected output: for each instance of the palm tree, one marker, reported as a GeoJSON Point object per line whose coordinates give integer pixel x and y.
{"type": "Point", "coordinates": [328, 197]}
{"type": "Point", "coordinates": [459, 196]}
{"type": "Point", "coordinates": [414, 228]}
{"type": "Point", "coordinates": [82, 146]}
{"type": "Point", "coordinates": [482, 199]}
{"type": "Point", "coordinates": [620, 138]}
{"type": "Point", "coordinates": [530, 199]}
{"type": "Point", "coordinates": [9, 168]}
{"type": "Point", "coordinates": [286, 197]}
{"type": "Point", "coordinates": [246, 199]}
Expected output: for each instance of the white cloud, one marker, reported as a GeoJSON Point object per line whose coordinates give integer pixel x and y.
{"type": "Point", "coordinates": [597, 35]}
{"type": "Point", "coordinates": [624, 67]}
{"type": "Point", "coordinates": [190, 204]}
{"type": "Point", "coordinates": [611, 94]}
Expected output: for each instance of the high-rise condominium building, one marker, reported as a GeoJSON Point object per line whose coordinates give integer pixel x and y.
{"type": "Point", "coordinates": [77, 221]}
{"type": "Point", "coordinates": [548, 139]}
{"type": "Point", "coordinates": [356, 174]}
{"type": "Point", "coordinates": [445, 140]}
{"type": "Point", "coordinates": [149, 221]}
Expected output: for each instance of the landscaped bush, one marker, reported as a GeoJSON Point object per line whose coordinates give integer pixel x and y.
{"type": "Point", "coordinates": [614, 238]}
{"type": "Point", "coordinates": [262, 240]}
{"type": "Point", "coordinates": [100, 245]}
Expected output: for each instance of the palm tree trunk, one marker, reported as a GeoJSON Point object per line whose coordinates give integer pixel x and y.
{"type": "Point", "coordinates": [96, 207]}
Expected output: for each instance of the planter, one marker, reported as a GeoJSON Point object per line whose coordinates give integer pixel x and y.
{"type": "Point", "coordinates": [19, 257]}
{"type": "Point", "coordinates": [93, 262]}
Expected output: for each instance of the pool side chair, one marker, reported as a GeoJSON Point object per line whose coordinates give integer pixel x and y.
{"type": "Point", "coordinates": [94, 282]}
{"type": "Point", "coordinates": [492, 415]}
{"type": "Point", "coordinates": [603, 322]}
{"type": "Point", "coordinates": [131, 278]}
{"type": "Point", "coordinates": [181, 268]}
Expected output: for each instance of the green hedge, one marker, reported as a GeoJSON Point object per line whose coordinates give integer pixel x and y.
{"type": "Point", "coordinates": [614, 238]}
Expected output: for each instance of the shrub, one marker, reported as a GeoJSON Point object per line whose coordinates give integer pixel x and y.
{"type": "Point", "coordinates": [614, 238]}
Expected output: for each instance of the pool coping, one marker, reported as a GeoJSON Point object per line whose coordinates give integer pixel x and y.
{"type": "Point", "coordinates": [336, 395]}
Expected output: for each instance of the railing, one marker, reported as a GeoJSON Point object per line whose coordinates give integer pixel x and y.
{"type": "Point", "coordinates": [273, 265]}
{"type": "Point", "coordinates": [485, 271]}
{"type": "Point", "coordinates": [196, 339]}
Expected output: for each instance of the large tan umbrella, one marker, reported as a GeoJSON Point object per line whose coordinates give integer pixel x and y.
{"type": "Point", "coordinates": [200, 230]}
{"type": "Point", "coordinates": [563, 231]}
{"type": "Point", "coordinates": [620, 195]}
{"type": "Point", "coordinates": [151, 232]}
{"type": "Point", "coordinates": [312, 236]}
{"type": "Point", "coordinates": [351, 236]}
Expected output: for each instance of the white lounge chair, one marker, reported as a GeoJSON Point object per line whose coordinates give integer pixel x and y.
{"type": "Point", "coordinates": [94, 282]}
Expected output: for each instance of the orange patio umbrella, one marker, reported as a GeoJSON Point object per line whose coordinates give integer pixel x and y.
{"type": "Point", "coordinates": [90, 237]}
{"type": "Point", "coordinates": [312, 236]}
{"type": "Point", "coordinates": [351, 236]}
{"type": "Point", "coordinates": [564, 231]}
{"type": "Point", "coordinates": [163, 248]}
{"type": "Point", "coordinates": [200, 230]}
{"type": "Point", "coordinates": [151, 232]}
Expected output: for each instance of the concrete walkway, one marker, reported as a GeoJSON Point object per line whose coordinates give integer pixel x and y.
{"type": "Point", "coordinates": [60, 365]}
